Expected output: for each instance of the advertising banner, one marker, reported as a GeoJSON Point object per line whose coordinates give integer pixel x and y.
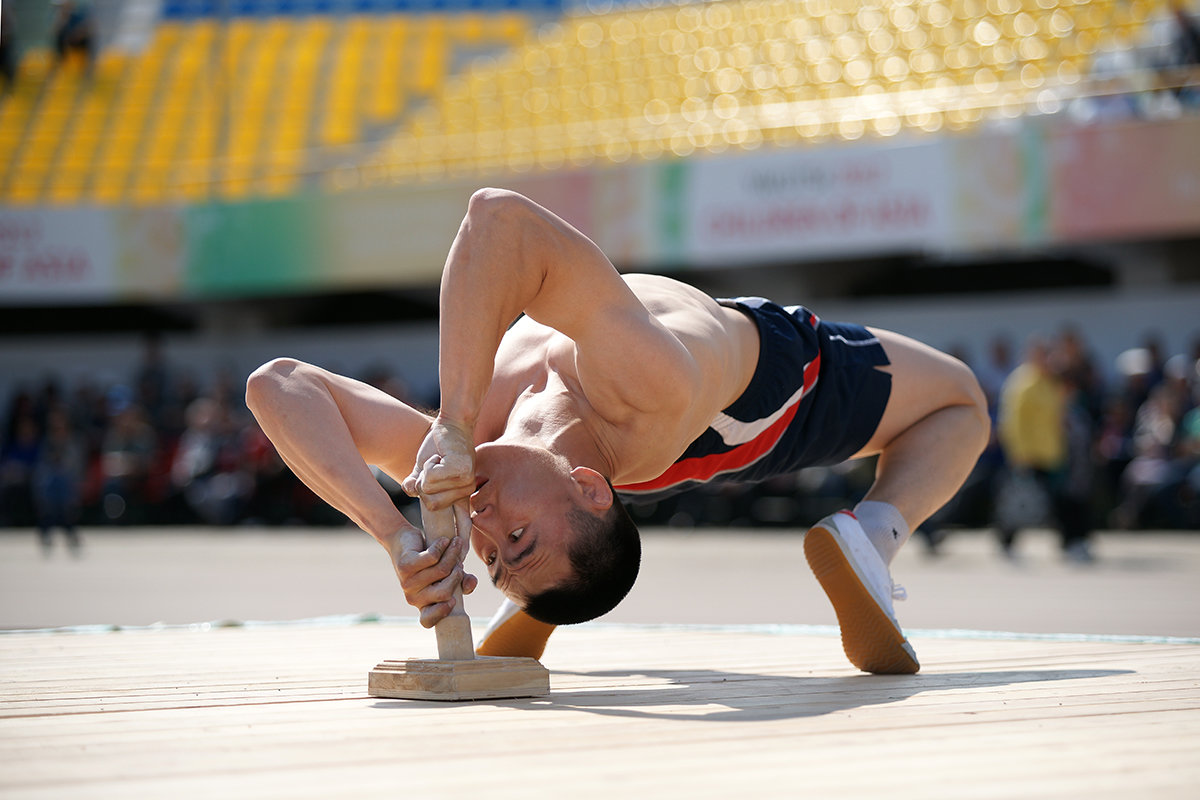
{"type": "Point", "coordinates": [1125, 179]}
{"type": "Point", "coordinates": [1041, 181]}
{"type": "Point", "coordinates": [67, 254]}
{"type": "Point", "coordinates": [800, 204]}
{"type": "Point", "coordinates": [74, 255]}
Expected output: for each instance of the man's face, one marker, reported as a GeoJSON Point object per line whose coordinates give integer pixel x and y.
{"type": "Point", "coordinates": [519, 519]}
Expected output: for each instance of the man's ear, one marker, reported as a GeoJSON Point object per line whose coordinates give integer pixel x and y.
{"type": "Point", "coordinates": [594, 488]}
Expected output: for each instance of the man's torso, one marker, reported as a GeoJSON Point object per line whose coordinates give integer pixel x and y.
{"type": "Point", "coordinates": [538, 381]}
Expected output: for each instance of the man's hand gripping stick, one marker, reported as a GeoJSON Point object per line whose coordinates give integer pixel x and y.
{"type": "Point", "coordinates": [457, 674]}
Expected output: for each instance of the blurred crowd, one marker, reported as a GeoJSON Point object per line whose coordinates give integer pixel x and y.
{"type": "Point", "coordinates": [1074, 446]}
{"type": "Point", "coordinates": [1155, 78]}
{"type": "Point", "coordinates": [1076, 449]}
{"type": "Point", "coordinates": [165, 447]}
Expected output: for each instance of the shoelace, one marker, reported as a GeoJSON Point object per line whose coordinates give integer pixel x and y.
{"type": "Point", "coordinates": [899, 592]}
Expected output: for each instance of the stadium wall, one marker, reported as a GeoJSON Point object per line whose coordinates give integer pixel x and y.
{"type": "Point", "coordinates": [1035, 183]}
{"type": "Point", "coordinates": [1109, 321]}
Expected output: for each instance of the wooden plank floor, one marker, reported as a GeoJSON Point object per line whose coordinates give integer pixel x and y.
{"type": "Point", "coordinates": [634, 711]}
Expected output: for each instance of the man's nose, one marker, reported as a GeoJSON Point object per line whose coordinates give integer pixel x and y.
{"type": "Point", "coordinates": [478, 504]}
{"type": "Point", "coordinates": [484, 521]}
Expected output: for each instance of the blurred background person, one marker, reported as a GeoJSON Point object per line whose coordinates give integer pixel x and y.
{"type": "Point", "coordinates": [127, 455]}
{"type": "Point", "coordinates": [18, 457]}
{"type": "Point", "coordinates": [1047, 430]}
{"type": "Point", "coordinates": [8, 49]}
{"type": "Point", "coordinates": [995, 369]}
{"type": "Point", "coordinates": [74, 32]}
{"type": "Point", "coordinates": [58, 481]}
{"type": "Point", "coordinates": [1154, 485]}
{"type": "Point", "coordinates": [1032, 432]}
{"type": "Point", "coordinates": [1072, 491]}
{"type": "Point", "coordinates": [209, 468]}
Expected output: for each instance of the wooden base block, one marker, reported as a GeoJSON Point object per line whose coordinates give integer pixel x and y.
{"type": "Point", "coordinates": [480, 678]}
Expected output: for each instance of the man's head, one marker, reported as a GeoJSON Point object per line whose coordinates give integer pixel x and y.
{"type": "Point", "coordinates": [553, 537]}
{"type": "Point", "coordinates": [605, 553]}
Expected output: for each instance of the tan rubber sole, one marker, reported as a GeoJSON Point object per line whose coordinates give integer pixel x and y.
{"type": "Point", "coordinates": [871, 641]}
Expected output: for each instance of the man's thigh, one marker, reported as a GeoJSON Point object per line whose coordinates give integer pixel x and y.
{"type": "Point", "coordinates": [924, 380]}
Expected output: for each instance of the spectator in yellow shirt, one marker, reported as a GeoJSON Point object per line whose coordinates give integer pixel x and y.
{"type": "Point", "coordinates": [1033, 437]}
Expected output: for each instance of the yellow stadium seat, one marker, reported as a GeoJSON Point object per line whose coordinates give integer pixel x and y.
{"type": "Point", "coordinates": [108, 186]}
{"type": "Point", "coordinates": [23, 192]}
{"type": "Point", "coordinates": [67, 188]}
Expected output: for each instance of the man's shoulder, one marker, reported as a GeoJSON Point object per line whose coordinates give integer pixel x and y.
{"type": "Point", "coordinates": [647, 286]}
{"type": "Point", "coordinates": [675, 304]}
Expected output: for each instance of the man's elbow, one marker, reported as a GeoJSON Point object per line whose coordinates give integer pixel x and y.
{"type": "Point", "coordinates": [264, 383]}
{"type": "Point", "coordinates": [489, 200]}
{"type": "Point", "coordinates": [498, 210]}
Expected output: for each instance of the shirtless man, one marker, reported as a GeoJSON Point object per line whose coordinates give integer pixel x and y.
{"type": "Point", "coordinates": [636, 382]}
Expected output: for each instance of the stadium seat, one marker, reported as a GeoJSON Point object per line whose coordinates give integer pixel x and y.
{"type": "Point", "coordinates": [251, 105]}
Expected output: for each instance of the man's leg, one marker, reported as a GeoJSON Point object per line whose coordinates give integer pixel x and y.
{"type": "Point", "coordinates": [933, 430]}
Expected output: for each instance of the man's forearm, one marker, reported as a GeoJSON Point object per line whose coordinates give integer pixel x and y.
{"type": "Point", "coordinates": [300, 416]}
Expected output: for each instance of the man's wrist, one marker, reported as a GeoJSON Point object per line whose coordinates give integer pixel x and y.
{"type": "Point", "coordinates": [450, 416]}
{"type": "Point", "coordinates": [386, 533]}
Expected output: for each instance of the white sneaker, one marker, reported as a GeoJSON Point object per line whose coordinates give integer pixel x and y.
{"type": "Point", "coordinates": [853, 575]}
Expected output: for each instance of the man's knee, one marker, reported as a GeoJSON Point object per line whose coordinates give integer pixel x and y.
{"type": "Point", "coordinates": [970, 395]}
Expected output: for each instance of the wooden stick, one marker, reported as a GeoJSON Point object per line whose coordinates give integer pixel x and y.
{"type": "Point", "coordinates": [454, 632]}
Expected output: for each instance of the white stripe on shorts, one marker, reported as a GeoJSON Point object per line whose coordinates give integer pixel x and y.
{"type": "Point", "coordinates": [854, 342]}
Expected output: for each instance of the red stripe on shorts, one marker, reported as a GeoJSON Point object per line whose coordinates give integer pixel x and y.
{"type": "Point", "coordinates": [705, 468]}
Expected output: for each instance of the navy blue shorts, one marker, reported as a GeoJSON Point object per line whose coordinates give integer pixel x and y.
{"type": "Point", "coordinates": [815, 399]}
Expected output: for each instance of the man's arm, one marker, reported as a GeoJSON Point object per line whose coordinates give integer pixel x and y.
{"type": "Point", "coordinates": [511, 256]}
{"type": "Point", "coordinates": [328, 428]}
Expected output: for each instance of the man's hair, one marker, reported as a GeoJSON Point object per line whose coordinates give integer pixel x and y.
{"type": "Point", "coordinates": [605, 555]}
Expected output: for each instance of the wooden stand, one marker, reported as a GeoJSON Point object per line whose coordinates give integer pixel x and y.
{"type": "Point", "coordinates": [481, 678]}
{"type": "Point", "coordinates": [456, 674]}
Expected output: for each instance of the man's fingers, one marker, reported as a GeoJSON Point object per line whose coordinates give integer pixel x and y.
{"type": "Point", "coordinates": [437, 485]}
{"type": "Point", "coordinates": [438, 595]}
{"type": "Point", "coordinates": [452, 555]}
{"type": "Point", "coordinates": [462, 521]}
{"type": "Point", "coordinates": [438, 501]}
{"type": "Point", "coordinates": [431, 575]}
{"type": "Point", "coordinates": [441, 479]}
{"type": "Point", "coordinates": [433, 614]}
{"type": "Point", "coordinates": [414, 562]}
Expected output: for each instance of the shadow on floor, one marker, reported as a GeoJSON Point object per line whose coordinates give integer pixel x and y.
{"type": "Point", "coordinates": [717, 696]}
